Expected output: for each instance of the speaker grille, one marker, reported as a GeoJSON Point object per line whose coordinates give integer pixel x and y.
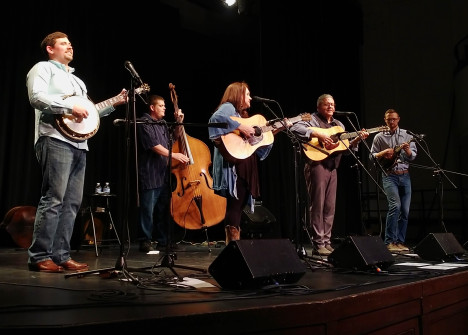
{"type": "Point", "coordinates": [439, 247]}
{"type": "Point", "coordinates": [256, 263]}
{"type": "Point", "coordinates": [361, 253]}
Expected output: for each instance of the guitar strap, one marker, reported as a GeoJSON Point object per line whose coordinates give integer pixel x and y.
{"type": "Point", "coordinates": [83, 89]}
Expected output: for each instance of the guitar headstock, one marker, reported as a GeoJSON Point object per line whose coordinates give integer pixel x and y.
{"type": "Point", "coordinates": [142, 89]}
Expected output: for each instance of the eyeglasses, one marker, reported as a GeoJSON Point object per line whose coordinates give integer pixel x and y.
{"type": "Point", "coordinates": [392, 119]}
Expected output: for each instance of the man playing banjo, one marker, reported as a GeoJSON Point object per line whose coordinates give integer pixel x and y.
{"type": "Point", "coordinates": [56, 93]}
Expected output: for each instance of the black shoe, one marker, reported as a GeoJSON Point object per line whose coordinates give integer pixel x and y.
{"type": "Point", "coordinates": [145, 246]}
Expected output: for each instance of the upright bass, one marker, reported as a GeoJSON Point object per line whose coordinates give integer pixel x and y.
{"type": "Point", "coordinates": [194, 203]}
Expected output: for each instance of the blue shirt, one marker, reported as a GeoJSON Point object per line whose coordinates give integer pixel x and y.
{"type": "Point", "coordinates": [152, 167]}
{"type": "Point", "coordinates": [385, 140]}
{"type": "Point", "coordinates": [48, 82]}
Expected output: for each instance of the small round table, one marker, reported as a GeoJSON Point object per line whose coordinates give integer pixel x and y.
{"type": "Point", "coordinates": [101, 203]}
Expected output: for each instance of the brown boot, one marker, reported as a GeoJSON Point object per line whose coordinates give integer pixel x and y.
{"type": "Point", "coordinates": [235, 233]}
{"type": "Point", "coordinates": [232, 234]}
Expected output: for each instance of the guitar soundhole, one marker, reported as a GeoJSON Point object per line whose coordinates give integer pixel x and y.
{"type": "Point", "coordinates": [258, 131]}
{"type": "Point", "coordinates": [255, 139]}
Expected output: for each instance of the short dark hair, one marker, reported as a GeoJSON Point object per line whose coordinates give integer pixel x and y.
{"type": "Point", "coordinates": [389, 111]}
{"type": "Point", "coordinates": [50, 40]}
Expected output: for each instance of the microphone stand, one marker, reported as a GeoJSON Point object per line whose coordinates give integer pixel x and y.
{"type": "Point", "coordinates": [169, 257]}
{"type": "Point", "coordinates": [357, 159]}
{"type": "Point", "coordinates": [121, 263]}
{"type": "Point", "coordinates": [359, 164]}
{"type": "Point", "coordinates": [297, 158]}
{"type": "Point", "coordinates": [438, 172]}
{"type": "Point", "coordinates": [167, 260]}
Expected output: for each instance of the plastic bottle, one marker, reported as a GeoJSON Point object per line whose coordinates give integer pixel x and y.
{"type": "Point", "coordinates": [106, 188]}
{"type": "Point", "coordinates": [98, 189]}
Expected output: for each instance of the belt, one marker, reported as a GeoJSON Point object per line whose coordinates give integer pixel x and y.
{"type": "Point", "coordinates": [398, 172]}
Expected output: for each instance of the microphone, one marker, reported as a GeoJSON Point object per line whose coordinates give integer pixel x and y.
{"type": "Point", "coordinates": [118, 122]}
{"type": "Point", "coordinates": [338, 113]}
{"type": "Point", "coordinates": [262, 99]}
{"type": "Point", "coordinates": [129, 67]}
{"type": "Point", "coordinates": [272, 122]}
{"type": "Point", "coordinates": [418, 136]}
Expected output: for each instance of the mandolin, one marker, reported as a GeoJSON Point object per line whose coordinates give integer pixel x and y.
{"type": "Point", "coordinates": [388, 163]}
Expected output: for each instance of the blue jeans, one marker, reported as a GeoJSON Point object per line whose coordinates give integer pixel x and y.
{"type": "Point", "coordinates": [63, 171]}
{"type": "Point", "coordinates": [154, 201]}
{"type": "Point", "coordinates": [398, 190]}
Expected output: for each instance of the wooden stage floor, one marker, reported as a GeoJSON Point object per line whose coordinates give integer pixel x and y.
{"type": "Point", "coordinates": [406, 296]}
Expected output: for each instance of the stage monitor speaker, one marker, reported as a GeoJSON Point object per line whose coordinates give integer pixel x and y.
{"type": "Point", "coordinates": [259, 224]}
{"type": "Point", "coordinates": [255, 263]}
{"type": "Point", "coordinates": [361, 253]}
{"type": "Point", "coordinates": [439, 247]}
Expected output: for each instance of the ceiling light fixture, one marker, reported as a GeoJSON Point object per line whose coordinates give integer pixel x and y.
{"type": "Point", "coordinates": [229, 2]}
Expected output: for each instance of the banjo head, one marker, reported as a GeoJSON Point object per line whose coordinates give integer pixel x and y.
{"type": "Point", "coordinates": [79, 131]}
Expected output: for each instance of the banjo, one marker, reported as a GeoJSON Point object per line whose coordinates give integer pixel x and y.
{"type": "Point", "coordinates": [88, 127]}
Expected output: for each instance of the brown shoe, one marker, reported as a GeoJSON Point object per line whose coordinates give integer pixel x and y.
{"type": "Point", "coordinates": [322, 251]}
{"type": "Point", "coordinates": [402, 247]}
{"type": "Point", "coordinates": [392, 247]}
{"type": "Point", "coordinates": [45, 266]}
{"type": "Point", "coordinates": [71, 265]}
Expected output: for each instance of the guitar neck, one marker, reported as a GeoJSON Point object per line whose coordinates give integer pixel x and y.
{"type": "Point", "coordinates": [347, 136]}
{"type": "Point", "coordinates": [106, 103]}
{"type": "Point", "coordinates": [280, 124]}
{"type": "Point", "coordinates": [399, 147]}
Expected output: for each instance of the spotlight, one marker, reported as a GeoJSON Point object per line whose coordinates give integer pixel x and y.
{"type": "Point", "coordinates": [229, 2]}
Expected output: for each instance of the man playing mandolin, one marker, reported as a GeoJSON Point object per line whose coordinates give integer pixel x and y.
{"type": "Point", "coordinates": [394, 150]}
{"type": "Point", "coordinates": [62, 157]}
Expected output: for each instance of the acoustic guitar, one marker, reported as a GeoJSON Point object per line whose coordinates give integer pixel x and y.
{"type": "Point", "coordinates": [88, 127]}
{"type": "Point", "coordinates": [388, 163]}
{"type": "Point", "coordinates": [235, 146]}
{"type": "Point", "coordinates": [316, 151]}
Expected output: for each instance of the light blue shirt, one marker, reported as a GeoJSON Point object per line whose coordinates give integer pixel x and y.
{"type": "Point", "coordinates": [385, 140]}
{"type": "Point", "coordinates": [48, 84]}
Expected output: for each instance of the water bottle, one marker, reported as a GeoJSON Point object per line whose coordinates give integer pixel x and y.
{"type": "Point", "coordinates": [106, 188]}
{"type": "Point", "coordinates": [98, 189]}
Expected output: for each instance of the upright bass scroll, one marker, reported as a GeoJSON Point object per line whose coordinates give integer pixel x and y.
{"type": "Point", "coordinates": [194, 203]}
